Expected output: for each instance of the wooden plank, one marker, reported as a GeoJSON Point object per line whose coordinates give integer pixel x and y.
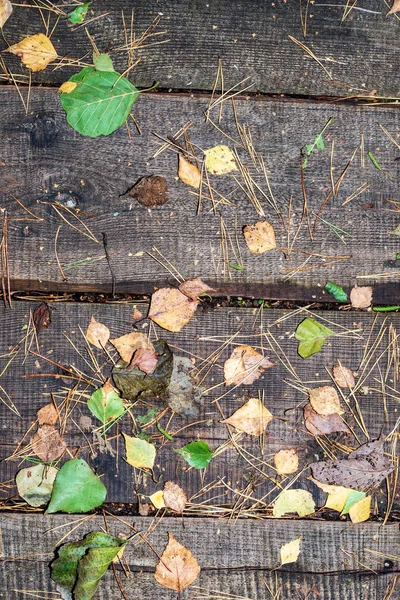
{"type": "Point", "coordinates": [29, 382]}
{"type": "Point", "coordinates": [250, 36]}
{"type": "Point", "coordinates": [46, 161]}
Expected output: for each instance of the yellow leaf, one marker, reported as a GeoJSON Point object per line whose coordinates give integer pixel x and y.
{"type": "Point", "coordinates": [286, 461]}
{"type": "Point", "coordinates": [35, 51]}
{"type": "Point", "coordinates": [337, 498]}
{"type": "Point", "coordinates": [67, 87]}
{"type": "Point", "coordinates": [177, 568]}
{"type": "Point", "coordinates": [97, 333]}
{"type": "Point", "coordinates": [252, 417]}
{"type": "Point", "coordinates": [259, 237]}
{"type": "Point", "coordinates": [361, 510]}
{"type": "Point", "coordinates": [325, 400]}
{"type": "Point", "coordinates": [294, 501]}
{"type": "Point", "coordinates": [139, 453]}
{"type": "Point", "coordinates": [157, 499]}
{"type": "Point", "coordinates": [290, 551]}
{"type": "Point", "coordinates": [5, 11]}
{"type": "Point", "coordinates": [171, 309]}
{"type": "Point", "coordinates": [220, 160]}
{"type": "Point", "coordinates": [188, 173]}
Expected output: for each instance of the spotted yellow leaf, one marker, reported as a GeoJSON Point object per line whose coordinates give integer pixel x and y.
{"type": "Point", "coordinates": [66, 88]}
{"type": "Point", "coordinates": [220, 160]}
{"type": "Point", "coordinates": [35, 51]}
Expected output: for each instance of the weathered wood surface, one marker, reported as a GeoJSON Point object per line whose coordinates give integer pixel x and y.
{"type": "Point", "coordinates": [250, 36]}
{"type": "Point", "coordinates": [234, 557]}
{"type": "Point", "coordinates": [46, 161]}
{"type": "Point", "coordinates": [29, 388]}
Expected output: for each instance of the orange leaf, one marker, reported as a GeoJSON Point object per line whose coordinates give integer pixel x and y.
{"type": "Point", "coordinates": [395, 7]}
{"type": "Point", "coordinates": [171, 309]}
{"type": "Point", "coordinates": [188, 173]}
{"type": "Point", "coordinates": [177, 568]}
{"type": "Point", "coordinates": [252, 417]}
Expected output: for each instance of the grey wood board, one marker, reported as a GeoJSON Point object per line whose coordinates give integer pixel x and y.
{"type": "Point", "coordinates": [46, 161]}
{"type": "Point", "coordinates": [30, 381]}
{"type": "Point", "coordinates": [250, 36]}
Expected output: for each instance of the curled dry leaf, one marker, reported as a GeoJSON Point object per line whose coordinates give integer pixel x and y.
{"type": "Point", "coordinates": [189, 173]}
{"type": "Point", "coordinates": [171, 309]}
{"type": "Point", "coordinates": [150, 191]}
{"type": "Point", "coordinates": [361, 297]}
{"type": "Point", "coordinates": [177, 568]}
{"type": "Point", "coordinates": [220, 160]}
{"type": "Point", "coordinates": [145, 359]}
{"type": "Point", "coordinates": [286, 461]}
{"type": "Point", "coordinates": [321, 425]}
{"type": "Point", "coordinates": [252, 417]}
{"type": "Point", "coordinates": [174, 497]}
{"type": "Point", "coordinates": [325, 400]}
{"type": "Point", "coordinates": [395, 7]}
{"type": "Point", "coordinates": [343, 376]}
{"type": "Point", "coordinates": [245, 365]}
{"type": "Point", "coordinates": [5, 11]}
{"type": "Point", "coordinates": [259, 237]}
{"type": "Point", "coordinates": [127, 344]}
{"type": "Point", "coordinates": [97, 333]}
{"type": "Point", "coordinates": [35, 51]}
{"type": "Point", "coordinates": [47, 443]}
{"type": "Point", "coordinates": [42, 316]}
{"type": "Point", "coordinates": [47, 415]}
{"type": "Point", "coordinates": [193, 288]}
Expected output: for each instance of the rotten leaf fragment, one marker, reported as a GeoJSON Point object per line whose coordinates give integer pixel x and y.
{"type": "Point", "coordinates": [97, 334]}
{"type": "Point", "coordinates": [47, 415]}
{"type": "Point", "coordinates": [322, 425]}
{"type": "Point", "coordinates": [183, 393]}
{"type": "Point", "coordinates": [197, 454]}
{"type": "Point", "coordinates": [174, 497]}
{"type": "Point", "coordinates": [139, 453]}
{"type": "Point", "coordinates": [343, 377]}
{"type": "Point", "coordinates": [395, 7]}
{"type": "Point", "coordinates": [361, 297]}
{"type": "Point", "coordinates": [289, 552]}
{"type": "Point", "coordinates": [177, 568]}
{"type": "Point", "coordinates": [36, 51]}
{"type": "Point", "coordinates": [35, 484]}
{"type": "Point", "coordinates": [194, 288]}
{"type": "Point", "coordinates": [150, 191]}
{"type": "Point", "coordinates": [171, 309]}
{"type": "Point", "coordinates": [5, 11]}
{"type": "Point", "coordinates": [311, 336]}
{"type": "Point", "coordinates": [294, 501]}
{"type": "Point", "coordinates": [259, 237]}
{"type": "Point", "coordinates": [220, 160]}
{"type": "Point", "coordinates": [325, 400]}
{"type": "Point", "coordinates": [245, 365]}
{"type": "Point", "coordinates": [126, 345]}
{"type": "Point", "coordinates": [252, 418]}
{"type": "Point", "coordinates": [47, 443]}
{"type": "Point", "coordinates": [42, 316]}
{"type": "Point", "coordinates": [106, 404]}
{"type": "Point", "coordinates": [286, 461]}
{"type": "Point", "coordinates": [188, 173]}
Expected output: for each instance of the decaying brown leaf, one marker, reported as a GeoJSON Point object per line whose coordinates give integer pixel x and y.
{"type": "Point", "coordinates": [47, 443]}
{"type": "Point", "coordinates": [35, 51]}
{"type": "Point", "coordinates": [286, 461]}
{"type": "Point", "coordinates": [42, 316]}
{"type": "Point", "coordinates": [171, 309]}
{"type": "Point", "coordinates": [5, 11]}
{"type": "Point", "coordinates": [325, 400]}
{"type": "Point", "coordinates": [145, 359]}
{"type": "Point", "coordinates": [47, 415]}
{"type": "Point", "coordinates": [321, 425]}
{"type": "Point", "coordinates": [361, 297]}
{"type": "Point", "coordinates": [245, 365]}
{"type": "Point", "coordinates": [177, 568]}
{"type": "Point", "coordinates": [395, 7]}
{"type": "Point", "coordinates": [97, 333]}
{"type": "Point", "coordinates": [188, 173]}
{"type": "Point", "coordinates": [150, 191]}
{"type": "Point", "coordinates": [343, 376]}
{"type": "Point", "coordinates": [259, 237]}
{"type": "Point", "coordinates": [174, 497]}
{"type": "Point", "coordinates": [252, 417]}
{"type": "Point", "coordinates": [126, 345]}
{"type": "Point", "coordinates": [193, 288]}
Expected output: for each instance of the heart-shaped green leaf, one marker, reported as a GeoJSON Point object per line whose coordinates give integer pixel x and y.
{"type": "Point", "coordinates": [197, 454]}
{"type": "Point", "coordinates": [77, 489]}
{"type": "Point", "coordinates": [106, 404]}
{"type": "Point", "coordinates": [312, 336]}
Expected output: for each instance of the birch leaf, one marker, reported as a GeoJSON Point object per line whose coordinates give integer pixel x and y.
{"type": "Point", "coordinates": [106, 404]}
{"type": "Point", "coordinates": [171, 309]}
{"type": "Point", "coordinates": [97, 333]}
{"type": "Point", "coordinates": [325, 400]}
{"type": "Point", "coordinates": [220, 160]}
{"type": "Point", "coordinates": [259, 237]}
{"type": "Point", "coordinates": [5, 11]}
{"type": "Point", "coordinates": [139, 453]}
{"type": "Point", "coordinates": [177, 568]}
{"type": "Point", "coordinates": [286, 461]}
{"type": "Point", "coordinates": [361, 510]}
{"type": "Point", "coordinates": [245, 365]}
{"type": "Point", "coordinates": [77, 489]}
{"type": "Point", "coordinates": [395, 7]}
{"type": "Point", "coordinates": [35, 484]}
{"type": "Point", "coordinates": [35, 51]}
{"type": "Point", "coordinates": [188, 173]}
{"type": "Point", "coordinates": [294, 501]}
{"type": "Point", "coordinates": [290, 552]}
{"type": "Point", "coordinates": [157, 499]}
{"type": "Point", "coordinates": [252, 417]}
{"type": "Point", "coordinates": [312, 336]}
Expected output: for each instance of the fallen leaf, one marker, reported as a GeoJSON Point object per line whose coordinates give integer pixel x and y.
{"type": "Point", "coordinates": [294, 501]}
{"type": "Point", "coordinates": [183, 393]}
{"type": "Point", "coordinates": [193, 288]}
{"type": "Point", "coordinates": [361, 510]}
{"type": "Point", "coordinates": [259, 237]}
{"type": "Point", "coordinates": [290, 552]}
{"type": "Point", "coordinates": [79, 13]}
{"type": "Point", "coordinates": [139, 453]}
{"type": "Point", "coordinates": [145, 359]}
{"type": "Point", "coordinates": [320, 425]}
{"type": "Point", "coordinates": [245, 365]}
{"type": "Point", "coordinates": [343, 377]}
{"type": "Point", "coordinates": [47, 415]}
{"type": "Point", "coordinates": [353, 497]}
{"type": "Point", "coordinates": [325, 400]}
{"type": "Point", "coordinates": [177, 568]}
{"type": "Point", "coordinates": [67, 87]}
{"type": "Point", "coordinates": [47, 443]}
{"type": "Point", "coordinates": [197, 454]}
{"type": "Point", "coordinates": [312, 336]}
{"type": "Point", "coordinates": [41, 316]}
{"type": "Point", "coordinates": [97, 334]}
{"type": "Point", "coordinates": [337, 292]}
{"type": "Point", "coordinates": [157, 499]}
{"type": "Point", "coordinates": [361, 297]}
{"type": "Point", "coordinates": [220, 160]}
{"type": "Point", "coordinates": [106, 404]}
{"type": "Point", "coordinates": [127, 344]}
{"type": "Point", "coordinates": [5, 11]}
{"type": "Point", "coordinates": [395, 7]}
{"type": "Point", "coordinates": [35, 51]}
{"type": "Point", "coordinates": [35, 484]}
{"type": "Point", "coordinates": [174, 497]}
{"type": "Point", "coordinates": [188, 173]}
{"type": "Point", "coordinates": [252, 417]}
{"type": "Point", "coordinates": [150, 191]}
{"type": "Point", "coordinates": [337, 495]}
{"type": "Point", "coordinates": [171, 309]}
{"type": "Point", "coordinates": [286, 461]}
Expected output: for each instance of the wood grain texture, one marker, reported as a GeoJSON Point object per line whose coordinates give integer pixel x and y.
{"type": "Point", "coordinates": [30, 381]}
{"type": "Point", "coordinates": [251, 38]}
{"type": "Point", "coordinates": [46, 161]}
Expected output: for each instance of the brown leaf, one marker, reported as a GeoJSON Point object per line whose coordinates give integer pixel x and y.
{"type": "Point", "coordinates": [188, 173]}
{"type": "Point", "coordinates": [259, 237]}
{"type": "Point", "coordinates": [320, 425]}
{"type": "Point", "coordinates": [145, 359]}
{"type": "Point", "coordinates": [174, 497]}
{"type": "Point", "coordinates": [286, 461]}
{"type": "Point", "coordinates": [150, 191]}
{"type": "Point", "coordinates": [177, 568]}
{"type": "Point", "coordinates": [193, 288]}
{"type": "Point", "coordinates": [47, 443]}
{"type": "Point", "coordinates": [35, 51]}
{"type": "Point", "coordinates": [395, 7]}
{"type": "Point", "coordinates": [171, 309]}
{"type": "Point", "coordinates": [245, 365]}
{"type": "Point", "coordinates": [361, 297]}
{"type": "Point", "coordinates": [325, 400]}
{"type": "Point", "coordinates": [41, 316]}
{"type": "Point", "coordinates": [97, 333]}
{"type": "Point", "coordinates": [5, 11]}
{"type": "Point", "coordinates": [343, 376]}
{"type": "Point", "coordinates": [126, 345]}
{"type": "Point", "coordinates": [47, 415]}
{"type": "Point", "coordinates": [252, 417]}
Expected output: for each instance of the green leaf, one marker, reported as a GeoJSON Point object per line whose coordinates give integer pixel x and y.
{"type": "Point", "coordinates": [106, 404]}
{"type": "Point", "coordinates": [197, 454]}
{"type": "Point", "coordinates": [100, 103]}
{"type": "Point", "coordinates": [386, 308]}
{"type": "Point", "coordinates": [149, 416]}
{"type": "Point", "coordinates": [312, 336]}
{"type": "Point", "coordinates": [139, 453]}
{"type": "Point", "coordinates": [103, 62]}
{"type": "Point", "coordinates": [35, 484]}
{"type": "Point", "coordinates": [374, 161]}
{"type": "Point", "coordinates": [337, 292]}
{"type": "Point", "coordinates": [318, 144]}
{"type": "Point", "coordinates": [237, 267]}
{"type": "Point", "coordinates": [80, 565]}
{"type": "Point", "coordinates": [77, 489]}
{"type": "Point", "coordinates": [165, 433]}
{"type": "Point", "coordinates": [352, 498]}
{"type": "Point", "coordinates": [79, 13]}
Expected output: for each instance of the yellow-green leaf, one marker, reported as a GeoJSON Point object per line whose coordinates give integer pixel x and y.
{"type": "Point", "coordinates": [290, 552]}
{"type": "Point", "coordinates": [139, 453]}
